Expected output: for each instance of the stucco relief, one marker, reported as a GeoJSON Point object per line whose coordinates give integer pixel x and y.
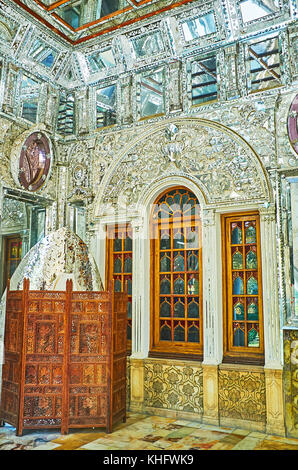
{"type": "Point", "coordinates": [221, 163]}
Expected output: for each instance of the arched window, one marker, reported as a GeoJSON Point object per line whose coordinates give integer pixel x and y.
{"type": "Point", "coordinates": [242, 301]}
{"type": "Point", "coordinates": [176, 275]}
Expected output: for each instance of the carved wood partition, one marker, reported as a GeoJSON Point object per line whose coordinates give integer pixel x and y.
{"type": "Point", "coordinates": [65, 359]}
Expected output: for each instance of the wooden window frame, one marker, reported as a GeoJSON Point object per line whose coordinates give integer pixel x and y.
{"type": "Point", "coordinates": [162, 348]}
{"type": "Point", "coordinates": [240, 354]}
{"type": "Point", "coordinates": [111, 231]}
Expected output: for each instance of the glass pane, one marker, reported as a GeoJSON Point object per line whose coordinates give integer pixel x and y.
{"type": "Point", "coordinates": [165, 263]}
{"type": "Point", "coordinates": [128, 244]}
{"type": "Point", "coordinates": [179, 264]}
{"type": "Point", "coordinates": [204, 80]}
{"type": "Point", "coordinates": [178, 242]}
{"type": "Point", "coordinates": [165, 308]}
{"type": "Point", "coordinates": [237, 260]}
{"type": "Point", "coordinates": [236, 238]}
{"type": "Point", "coordinates": [117, 265]}
{"type": "Point", "coordinates": [165, 286]}
{"type": "Point", "coordinates": [101, 60]}
{"type": "Point", "coordinates": [239, 337]}
{"type": "Point", "coordinates": [179, 286]}
{"type": "Point", "coordinates": [117, 286]}
{"type": "Point", "coordinates": [238, 311]}
{"type": "Point", "coordinates": [117, 244]}
{"type": "Point", "coordinates": [129, 286]}
{"type": "Point", "coordinates": [192, 239]}
{"type": "Point", "coordinates": [193, 335]}
{"type": "Point", "coordinates": [252, 286]}
{"type": "Point", "coordinates": [193, 308]}
{"type": "Point", "coordinates": [250, 234]}
{"type": "Point", "coordinates": [193, 286]}
{"type": "Point", "coordinates": [251, 260]}
{"type": "Point", "coordinates": [165, 333]}
{"type": "Point", "coordinates": [193, 262]}
{"type": "Point", "coordinates": [179, 308]}
{"type": "Point", "coordinates": [129, 310]}
{"type": "Point", "coordinates": [165, 242]}
{"type": "Point", "coordinates": [252, 311]}
{"type": "Point", "coordinates": [128, 265]}
{"type": "Point", "coordinates": [238, 287]}
{"type": "Point", "coordinates": [253, 339]}
{"type": "Point", "coordinates": [179, 333]}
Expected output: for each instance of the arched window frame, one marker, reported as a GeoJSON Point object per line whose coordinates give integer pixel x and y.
{"type": "Point", "coordinates": [173, 348]}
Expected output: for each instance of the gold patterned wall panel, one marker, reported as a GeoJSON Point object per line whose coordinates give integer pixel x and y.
{"type": "Point", "coordinates": [291, 382]}
{"type": "Point", "coordinates": [173, 386]}
{"type": "Point", "coordinates": [242, 395]}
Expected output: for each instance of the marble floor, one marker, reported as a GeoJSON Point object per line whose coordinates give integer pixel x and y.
{"type": "Point", "coordinates": [143, 432]}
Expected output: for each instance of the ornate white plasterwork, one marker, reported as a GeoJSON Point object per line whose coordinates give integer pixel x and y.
{"type": "Point", "coordinates": [222, 163]}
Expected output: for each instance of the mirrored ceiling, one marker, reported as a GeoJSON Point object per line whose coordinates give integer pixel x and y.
{"type": "Point", "coordinates": [79, 20]}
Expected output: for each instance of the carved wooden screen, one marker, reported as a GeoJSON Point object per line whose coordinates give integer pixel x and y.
{"type": "Point", "coordinates": [61, 349]}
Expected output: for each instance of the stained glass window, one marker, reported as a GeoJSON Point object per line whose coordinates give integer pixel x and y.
{"type": "Point", "coordinates": [177, 273]}
{"type": "Point", "coordinates": [120, 266]}
{"type": "Point", "coordinates": [244, 329]}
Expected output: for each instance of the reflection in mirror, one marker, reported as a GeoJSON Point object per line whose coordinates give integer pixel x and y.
{"type": "Point", "coordinates": [101, 60]}
{"type": "Point", "coordinates": [264, 64]}
{"type": "Point", "coordinates": [65, 119]}
{"type": "Point", "coordinates": [77, 13]}
{"type": "Point", "coordinates": [204, 80]}
{"type": "Point", "coordinates": [152, 93]}
{"type": "Point", "coordinates": [148, 44]}
{"type": "Point", "coordinates": [106, 106]}
{"type": "Point", "coordinates": [29, 93]}
{"type": "Point", "coordinates": [255, 9]}
{"type": "Point", "coordinates": [198, 27]}
{"type": "Point", "coordinates": [41, 52]}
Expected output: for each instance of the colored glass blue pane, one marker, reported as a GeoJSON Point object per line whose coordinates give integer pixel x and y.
{"type": "Point", "coordinates": [117, 244]}
{"type": "Point", "coordinates": [128, 265]}
{"type": "Point", "coordinates": [179, 264]}
{"type": "Point", "coordinates": [193, 334]}
{"type": "Point", "coordinates": [250, 235]}
{"type": "Point", "coordinates": [193, 262]}
{"type": "Point", "coordinates": [165, 243]}
{"type": "Point", "coordinates": [238, 287]}
{"type": "Point", "coordinates": [237, 260]}
{"type": "Point", "coordinates": [251, 260]}
{"type": "Point", "coordinates": [165, 264]}
{"type": "Point", "coordinates": [165, 286]}
{"type": "Point", "coordinates": [179, 333]}
{"type": "Point", "coordinates": [179, 286]}
{"type": "Point", "coordinates": [117, 265]}
{"type": "Point", "coordinates": [129, 286]}
{"type": "Point", "coordinates": [128, 332]}
{"type": "Point", "coordinates": [165, 309]}
{"type": "Point", "coordinates": [239, 337]}
{"type": "Point", "coordinates": [193, 286]}
{"type": "Point", "coordinates": [165, 333]}
{"type": "Point", "coordinates": [117, 286]}
{"type": "Point", "coordinates": [252, 312]}
{"type": "Point", "coordinates": [128, 244]}
{"type": "Point", "coordinates": [238, 313]}
{"type": "Point", "coordinates": [193, 309]}
{"type": "Point", "coordinates": [252, 286]}
{"type": "Point", "coordinates": [236, 236]}
{"type": "Point", "coordinates": [129, 312]}
{"type": "Point", "coordinates": [253, 339]}
{"type": "Point", "coordinates": [179, 308]}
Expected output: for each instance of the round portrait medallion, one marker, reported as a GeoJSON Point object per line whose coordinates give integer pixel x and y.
{"type": "Point", "coordinates": [35, 160]}
{"type": "Point", "coordinates": [293, 124]}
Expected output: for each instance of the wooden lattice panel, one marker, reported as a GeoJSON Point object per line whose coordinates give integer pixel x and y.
{"type": "Point", "coordinates": [65, 359]}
